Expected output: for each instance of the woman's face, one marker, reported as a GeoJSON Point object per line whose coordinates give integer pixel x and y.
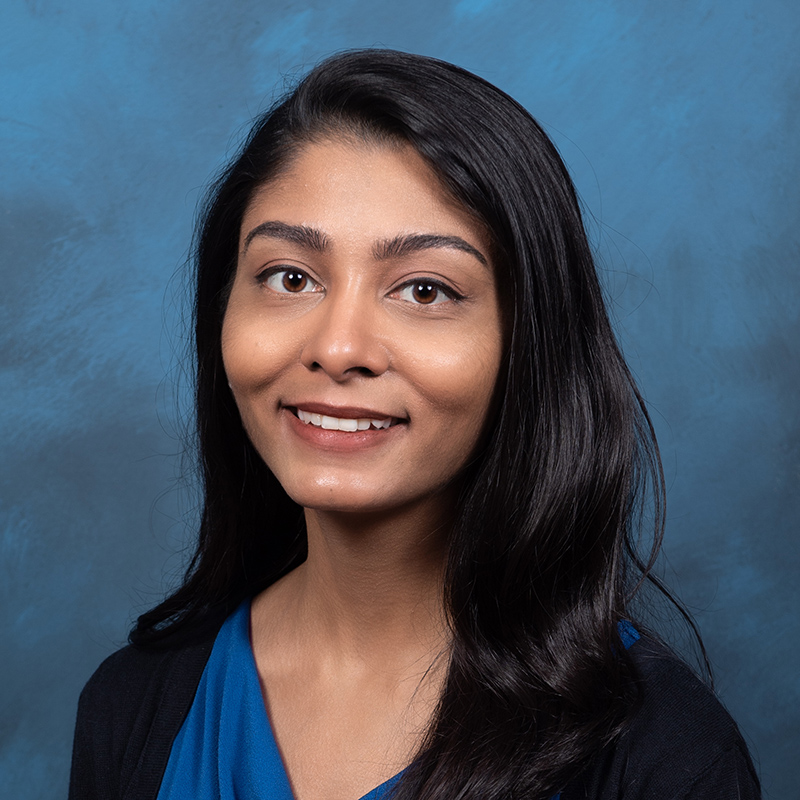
{"type": "Point", "coordinates": [362, 338]}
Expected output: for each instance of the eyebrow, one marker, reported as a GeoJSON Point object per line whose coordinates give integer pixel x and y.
{"type": "Point", "coordinates": [402, 245]}
{"type": "Point", "coordinates": [415, 242]}
{"type": "Point", "coordinates": [302, 235]}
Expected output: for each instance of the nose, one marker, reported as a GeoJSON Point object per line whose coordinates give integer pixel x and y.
{"type": "Point", "coordinates": [344, 339]}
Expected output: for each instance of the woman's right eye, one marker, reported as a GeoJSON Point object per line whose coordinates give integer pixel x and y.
{"type": "Point", "coordinates": [289, 280]}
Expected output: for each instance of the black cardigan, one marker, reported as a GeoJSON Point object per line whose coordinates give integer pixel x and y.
{"type": "Point", "coordinates": [680, 743]}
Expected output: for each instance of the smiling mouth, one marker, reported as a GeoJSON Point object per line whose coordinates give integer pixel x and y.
{"type": "Point", "coordinates": [342, 423]}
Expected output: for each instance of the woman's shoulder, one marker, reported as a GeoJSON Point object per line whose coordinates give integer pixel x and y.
{"type": "Point", "coordinates": [131, 674]}
{"type": "Point", "coordinates": [679, 741]}
{"type": "Point", "coordinates": [132, 706]}
{"type": "Point", "coordinates": [128, 675]}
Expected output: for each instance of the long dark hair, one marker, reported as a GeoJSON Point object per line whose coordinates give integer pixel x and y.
{"type": "Point", "coordinates": [543, 555]}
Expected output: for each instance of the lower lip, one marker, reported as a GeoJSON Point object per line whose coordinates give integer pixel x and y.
{"type": "Point", "coordinates": [341, 441]}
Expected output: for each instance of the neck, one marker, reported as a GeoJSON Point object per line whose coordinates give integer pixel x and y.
{"type": "Point", "coordinates": [371, 584]}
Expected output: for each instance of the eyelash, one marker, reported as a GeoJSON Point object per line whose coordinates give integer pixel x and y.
{"type": "Point", "coordinates": [450, 293]}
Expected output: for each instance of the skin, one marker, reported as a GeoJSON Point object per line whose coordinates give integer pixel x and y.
{"type": "Point", "coordinates": [362, 290]}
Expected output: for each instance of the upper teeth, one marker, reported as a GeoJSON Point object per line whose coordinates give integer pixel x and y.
{"type": "Point", "coordinates": [339, 423]}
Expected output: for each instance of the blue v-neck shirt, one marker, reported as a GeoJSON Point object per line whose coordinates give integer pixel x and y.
{"type": "Point", "coordinates": [226, 749]}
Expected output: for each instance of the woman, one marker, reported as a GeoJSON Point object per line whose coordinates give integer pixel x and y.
{"type": "Point", "coordinates": [424, 463]}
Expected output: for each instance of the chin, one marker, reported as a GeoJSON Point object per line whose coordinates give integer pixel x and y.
{"type": "Point", "coordinates": [342, 499]}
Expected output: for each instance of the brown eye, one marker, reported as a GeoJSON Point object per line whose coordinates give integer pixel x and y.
{"type": "Point", "coordinates": [294, 281]}
{"type": "Point", "coordinates": [424, 293]}
{"type": "Point", "coordinates": [289, 281]}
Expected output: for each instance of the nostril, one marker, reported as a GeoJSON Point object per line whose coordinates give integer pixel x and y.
{"type": "Point", "coordinates": [365, 371]}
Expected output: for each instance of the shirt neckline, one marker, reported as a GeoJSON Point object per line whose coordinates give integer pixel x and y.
{"type": "Point", "coordinates": [243, 629]}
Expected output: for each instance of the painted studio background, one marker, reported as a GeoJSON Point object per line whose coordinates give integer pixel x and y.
{"type": "Point", "coordinates": [679, 122]}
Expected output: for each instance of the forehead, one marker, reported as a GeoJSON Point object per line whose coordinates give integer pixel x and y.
{"type": "Point", "coordinates": [360, 189]}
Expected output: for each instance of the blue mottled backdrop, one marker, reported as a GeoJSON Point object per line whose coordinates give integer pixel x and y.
{"type": "Point", "coordinates": [680, 123]}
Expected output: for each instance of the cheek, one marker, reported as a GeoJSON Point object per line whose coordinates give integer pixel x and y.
{"type": "Point", "coordinates": [251, 355]}
{"type": "Point", "coordinates": [250, 361]}
{"type": "Point", "coordinates": [459, 380]}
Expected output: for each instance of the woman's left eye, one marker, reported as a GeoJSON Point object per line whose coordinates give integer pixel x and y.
{"type": "Point", "coordinates": [425, 292]}
{"type": "Point", "coordinates": [289, 280]}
